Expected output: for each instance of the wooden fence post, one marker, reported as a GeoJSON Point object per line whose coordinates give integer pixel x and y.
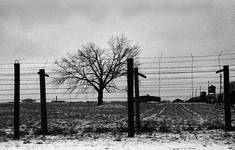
{"type": "Point", "coordinates": [17, 101]}
{"type": "Point", "coordinates": [131, 129]}
{"type": "Point", "coordinates": [226, 99]}
{"type": "Point", "coordinates": [137, 104]}
{"type": "Point", "coordinates": [43, 101]}
{"type": "Point", "coordinates": [227, 112]}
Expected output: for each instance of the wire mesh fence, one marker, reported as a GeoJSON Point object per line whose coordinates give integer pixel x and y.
{"type": "Point", "coordinates": [168, 77]}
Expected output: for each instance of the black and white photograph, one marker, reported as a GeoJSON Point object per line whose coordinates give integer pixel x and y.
{"type": "Point", "coordinates": [117, 75]}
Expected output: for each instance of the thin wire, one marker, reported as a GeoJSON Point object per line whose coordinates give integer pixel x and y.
{"type": "Point", "coordinates": [214, 55]}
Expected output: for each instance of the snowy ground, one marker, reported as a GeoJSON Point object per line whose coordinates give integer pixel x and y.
{"type": "Point", "coordinates": [201, 140]}
{"type": "Point", "coordinates": [85, 126]}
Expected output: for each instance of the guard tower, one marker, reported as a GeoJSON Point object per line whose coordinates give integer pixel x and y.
{"type": "Point", "coordinates": [211, 97]}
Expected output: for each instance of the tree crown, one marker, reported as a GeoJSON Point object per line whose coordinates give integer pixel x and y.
{"type": "Point", "coordinates": [95, 67]}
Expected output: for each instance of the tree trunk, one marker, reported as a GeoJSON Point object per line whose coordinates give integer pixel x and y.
{"type": "Point", "coordinates": [100, 97]}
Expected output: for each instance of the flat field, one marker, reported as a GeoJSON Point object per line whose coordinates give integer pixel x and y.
{"type": "Point", "coordinates": [87, 126]}
{"type": "Point", "coordinates": [74, 118]}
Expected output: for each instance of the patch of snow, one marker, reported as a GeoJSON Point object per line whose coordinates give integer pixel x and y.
{"type": "Point", "coordinates": [205, 140]}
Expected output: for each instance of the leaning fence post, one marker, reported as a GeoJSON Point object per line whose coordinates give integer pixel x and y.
{"type": "Point", "coordinates": [43, 101]}
{"type": "Point", "coordinates": [17, 101]}
{"type": "Point", "coordinates": [227, 112]}
{"type": "Point", "coordinates": [131, 129]}
{"type": "Point", "coordinates": [137, 104]}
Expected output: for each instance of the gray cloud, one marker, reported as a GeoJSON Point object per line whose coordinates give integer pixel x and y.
{"type": "Point", "coordinates": [33, 29]}
{"type": "Point", "coordinates": [37, 29]}
{"type": "Point", "coordinates": [165, 7]}
{"type": "Point", "coordinates": [50, 12]}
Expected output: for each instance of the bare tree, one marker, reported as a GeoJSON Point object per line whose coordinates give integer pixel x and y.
{"type": "Point", "coordinates": [95, 67]}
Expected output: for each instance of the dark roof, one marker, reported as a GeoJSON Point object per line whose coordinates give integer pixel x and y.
{"type": "Point", "coordinates": [178, 101]}
{"type": "Point", "coordinates": [28, 100]}
{"type": "Point", "coordinates": [149, 98]}
{"type": "Point", "coordinates": [212, 86]}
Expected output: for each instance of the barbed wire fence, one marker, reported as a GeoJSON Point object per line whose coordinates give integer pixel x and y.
{"type": "Point", "coordinates": [170, 78]}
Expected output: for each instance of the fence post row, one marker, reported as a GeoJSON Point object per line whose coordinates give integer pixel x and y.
{"type": "Point", "coordinates": [227, 112]}
{"type": "Point", "coordinates": [17, 101]}
{"type": "Point", "coordinates": [43, 101]}
{"type": "Point", "coordinates": [131, 129]}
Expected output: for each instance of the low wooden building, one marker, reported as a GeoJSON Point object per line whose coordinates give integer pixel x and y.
{"type": "Point", "coordinates": [148, 98]}
{"type": "Point", "coordinates": [28, 100]}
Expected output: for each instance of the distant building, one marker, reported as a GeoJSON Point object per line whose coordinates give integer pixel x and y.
{"type": "Point", "coordinates": [211, 89]}
{"type": "Point", "coordinates": [28, 100]}
{"type": "Point", "coordinates": [58, 102]}
{"type": "Point", "coordinates": [194, 99]}
{"type": "Point", "coordinates": [211, 97]}
{"type": "Point", "coordinates": [149, 98]}
{"type": "Point", "coordinates": [178, 101]}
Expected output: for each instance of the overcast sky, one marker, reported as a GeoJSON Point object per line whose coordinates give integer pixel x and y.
{"type": "Point", "coordinates": [36, 30]}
